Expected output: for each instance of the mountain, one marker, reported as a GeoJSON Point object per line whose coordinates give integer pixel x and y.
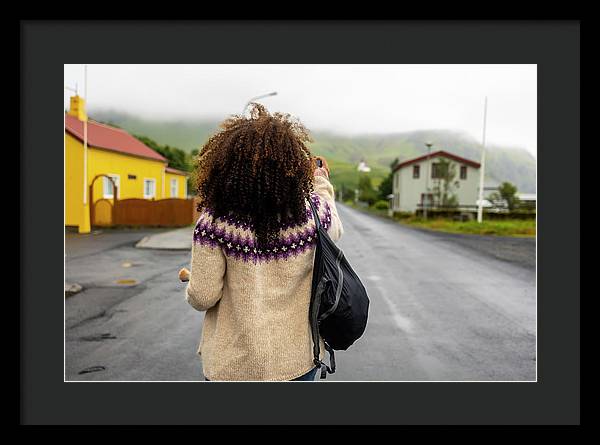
{"type": "Point", "coordinates": [344, 152]}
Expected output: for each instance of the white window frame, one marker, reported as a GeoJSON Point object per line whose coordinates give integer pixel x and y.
{"type": "Point", "coordinates": [117, 179]}
{"type": "Point", "coordinates": [153, 180]}
{"type": "Point", "coordinates": [176, 188]}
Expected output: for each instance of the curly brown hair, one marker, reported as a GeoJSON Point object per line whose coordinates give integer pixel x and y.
{"type": "Point", "coordinates": [257, 169]}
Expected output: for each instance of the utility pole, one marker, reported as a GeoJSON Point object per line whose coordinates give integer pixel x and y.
{"type": "Point", "coordinates": [482, 168]}
{"type": "Point", "coordinates": [426, 201]}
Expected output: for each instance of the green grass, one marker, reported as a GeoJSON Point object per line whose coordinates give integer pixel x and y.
{"type": "Point", "coordinates": [507, 227]}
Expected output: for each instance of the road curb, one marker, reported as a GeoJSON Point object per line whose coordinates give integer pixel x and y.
{"type": "Point", "coordinates": [174, 241]}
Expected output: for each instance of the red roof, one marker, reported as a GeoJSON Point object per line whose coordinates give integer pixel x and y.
{"type": "Point", "coordinates": [442, 153]}
{"type": "Point", "coordinates": [110, 138]}
{"type": "Point", "coordinates": [176, 171]}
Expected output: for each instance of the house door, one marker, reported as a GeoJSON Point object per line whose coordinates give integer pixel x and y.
{"type": "Point", "coordinates": [429, 202]}
{"type": "Point", "coordinates": [102, 213]}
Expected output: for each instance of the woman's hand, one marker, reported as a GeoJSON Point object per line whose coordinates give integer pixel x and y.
{"type": "Point", "coordinates": [184, 275]}
{"type": "Point", "coordinates": [323, 170]}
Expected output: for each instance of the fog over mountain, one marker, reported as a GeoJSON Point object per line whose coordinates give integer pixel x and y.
{"type": "Point", "coordinates": [503, 163]}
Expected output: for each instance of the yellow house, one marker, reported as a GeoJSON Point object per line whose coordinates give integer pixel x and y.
{"type": "Point", "coordinates": [99, 153]}
{"type": "Point", "coordinates": [176, 182]}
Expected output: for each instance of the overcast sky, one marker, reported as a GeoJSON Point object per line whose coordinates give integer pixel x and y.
{"type": "Point", "coordinates": [348, 99]}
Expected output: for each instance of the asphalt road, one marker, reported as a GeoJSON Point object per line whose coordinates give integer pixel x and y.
{"type": "Point", "coordinates": [443, 308]}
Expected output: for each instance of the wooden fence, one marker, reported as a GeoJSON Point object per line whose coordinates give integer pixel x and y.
{"type": "Point", "coordinates": [171, 212]}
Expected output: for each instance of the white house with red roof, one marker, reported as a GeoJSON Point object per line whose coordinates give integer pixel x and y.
{"type": "Point", "coordinates": [418, 179]}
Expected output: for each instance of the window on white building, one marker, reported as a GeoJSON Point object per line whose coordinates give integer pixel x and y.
{"type": "Point", "coordinates": [149, 188]}
{"type": "Point", "coordinates": [107, 186]}
{"type": "Point", "coordinates": [416, 171]}
{"type": "Point", "coordinates": [174, 188]}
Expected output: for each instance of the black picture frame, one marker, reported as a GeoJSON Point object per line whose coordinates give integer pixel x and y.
{"type": "Point", "coordinates": [46, 45]}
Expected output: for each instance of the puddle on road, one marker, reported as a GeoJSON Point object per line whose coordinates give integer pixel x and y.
{"type": "Point", "coordinates": [92, 369]}
{"type": "Point", "coordinates": [98, 337]}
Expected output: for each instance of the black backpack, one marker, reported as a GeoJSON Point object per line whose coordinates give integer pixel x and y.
{"type": "Point", "coordinates": [339, 304]}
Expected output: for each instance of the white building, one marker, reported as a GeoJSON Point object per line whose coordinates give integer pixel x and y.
{"type": "Point", "coordinates": [410, 181]}
{"type": "Point", "coordinates": [527, 197]}
{"type": "Point", "coordinates": [363, 167]}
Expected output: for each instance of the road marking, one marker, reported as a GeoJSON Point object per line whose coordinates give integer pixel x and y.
{"type": "Point", "coordinates": [126, 281]}
{"type": "Point", "coordinates": [403, 323]}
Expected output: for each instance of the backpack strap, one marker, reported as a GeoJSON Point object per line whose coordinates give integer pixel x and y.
{"type": "Point", "coordinates": [315, 303]}
{"type": "Point", "coordinates": [323, 366]}
{"type": "Point", "coordinates": [315, 213]}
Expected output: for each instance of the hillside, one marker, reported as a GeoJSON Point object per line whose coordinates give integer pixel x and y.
{"type": "Point", "coordinates": [344, 152]}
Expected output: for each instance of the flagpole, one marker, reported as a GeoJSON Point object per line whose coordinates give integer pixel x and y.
{"type": "Point", "coordinates": [85, 139]}
{"type": "Point", "coordinates": [482, 168]}
{"type": "Point", "coordinates": [85, 224]}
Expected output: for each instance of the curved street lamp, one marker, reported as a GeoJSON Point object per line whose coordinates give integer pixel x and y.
{"type": "Point", "coordinates": [274, 93]}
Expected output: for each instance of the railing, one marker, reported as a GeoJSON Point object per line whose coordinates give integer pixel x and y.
{"type": "Point", "coordinates": [497, 208]}
{"type": "Point", "coordinates": [465, 212]}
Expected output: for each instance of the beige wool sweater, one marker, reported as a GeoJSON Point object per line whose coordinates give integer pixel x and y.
{"type": "Point", "coordinates": [256, 326]}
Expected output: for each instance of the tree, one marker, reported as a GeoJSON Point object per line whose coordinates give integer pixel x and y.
{"type": "Point", "coordinates": [508, 193]}
{"type": "Point", "coordinates": [386, 186]}
{"type": "Point", "coordinates": [345, 192]}
{"type": "Point", "coordinates": [176, 157]}
{"type": "Point", "coordinates": [366, 192]}
{"type": "Point", "coordinates": [445, 183]}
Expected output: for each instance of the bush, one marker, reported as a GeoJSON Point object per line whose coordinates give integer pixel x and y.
{"type": "Point", "coordinates": [381, 205]}
{"type": "Point", "coordinates": [403, 215]}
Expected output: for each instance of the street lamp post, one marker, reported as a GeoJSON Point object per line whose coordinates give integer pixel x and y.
{"type": "Point", "coordinates": [426, 201]}
{"type": "Point", "coordinates": [482, 168]}
{"type": "Point", "coordinates": [274, 93]}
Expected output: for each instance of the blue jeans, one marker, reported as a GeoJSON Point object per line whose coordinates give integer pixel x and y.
{"type": "Point", "coordinates": [310, 375]}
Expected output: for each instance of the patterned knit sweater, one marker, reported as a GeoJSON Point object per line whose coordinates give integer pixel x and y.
{"type": "Point", "coordinates": [256, 326]}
